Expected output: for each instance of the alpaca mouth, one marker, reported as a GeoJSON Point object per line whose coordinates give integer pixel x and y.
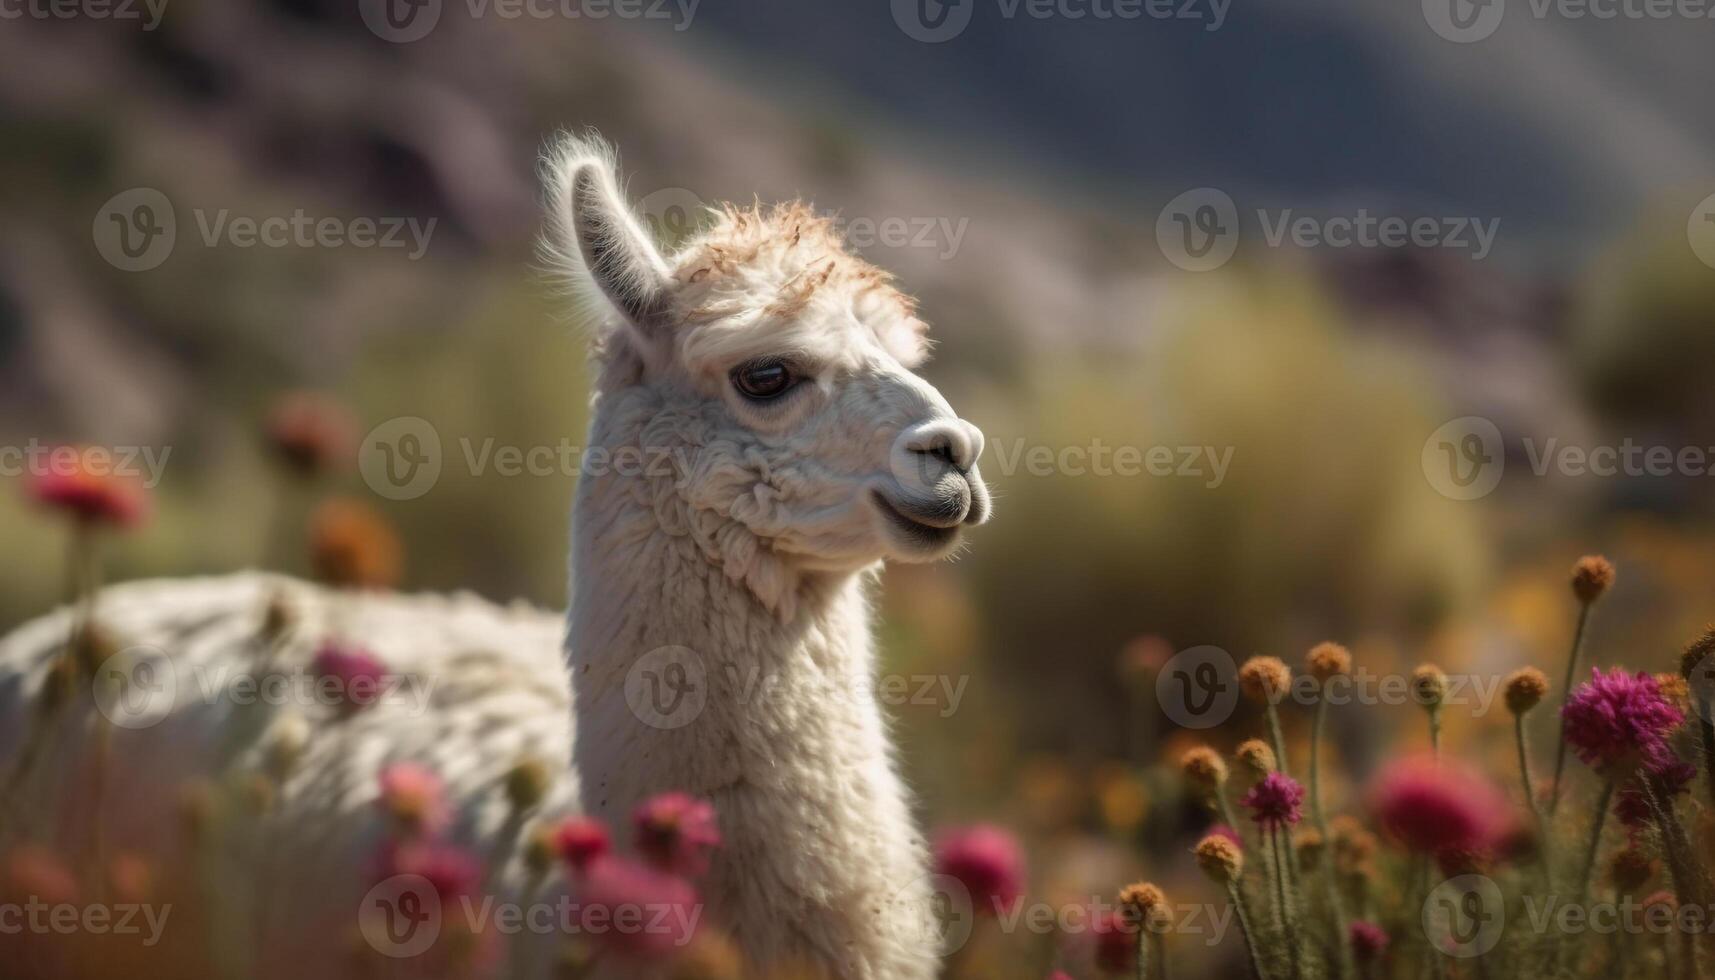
{"type": "Point", "coordinates": [915, 528]}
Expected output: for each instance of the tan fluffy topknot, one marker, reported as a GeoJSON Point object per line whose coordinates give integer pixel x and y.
{"type": "Point", "coordinates": [1220, 859]}
{"type": "Point", "coordinates": [1265, 679]}
{"type": "Point", "coordinates": [1203, 768]}
{"type": "Point", "coordinates": [1256, 756]}
{"type": "Point", "coordinates": [1525, 689]}
{"type": "Point", "coordinates": [1698, 653]}
{"type": "Point", "coordinates": [1592, 575]}
{"type": "Point", "coordinates": [1429, 685]}
{"type": "Point", "coordinates": [1145, 902]}
{"type": "Point", "coordinates": [1327, 660]}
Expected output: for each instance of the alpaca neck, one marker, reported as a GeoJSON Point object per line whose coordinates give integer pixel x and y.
{"type": "Point", "coordinates": [699, 663]}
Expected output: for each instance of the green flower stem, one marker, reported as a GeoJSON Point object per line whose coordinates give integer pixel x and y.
{"type": "Point", "coordinates": [1589, 872]}
{"type": "Point", "coordinates": [1278, 737]}
{"type": "Point", "coordinates": [1277, 841]}
{"type": "Point", "coordinates": [1566, 692]}
{"type": "Point", "coordinates": [1336, 905]}
{"type": "Point", "coordinates": [1276, 879]}
{"type": "Point", "coordinates": [1143, 951]}
{"type": "Point", "coordinates": [1245, 927]}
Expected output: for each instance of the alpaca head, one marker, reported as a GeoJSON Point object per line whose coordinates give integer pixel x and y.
{"type": "Point", "coordinates": [785, 363]}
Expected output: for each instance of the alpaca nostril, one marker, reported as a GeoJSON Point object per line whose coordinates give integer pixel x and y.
{"type": "Point", "coordinates": [949, 441]}
{"type": "Point", "coordinates": [941, 451]}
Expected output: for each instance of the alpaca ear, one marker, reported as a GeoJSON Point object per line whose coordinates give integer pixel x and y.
{"type": "Point", "coordinates": [596, 241]}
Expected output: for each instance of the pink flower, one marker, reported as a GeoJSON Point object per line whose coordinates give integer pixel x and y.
{"type": "Point", "coordinates": [83, 482]}
{"type": "Point", "coordinates": [354, 674]}
{"type": "Point", "coordinates": [580, 840]}
{"type": "Point", "coordinates": [676, 832]}
{"type": "Point", "coordinates": [415, 796]}
{"type": "Point", "coordinates": [1116, 942]}
{"type": "Point", "coordinates": [452, 872]}
{"type": "Point", "coordinates": [1432, 806]}
{"type": "Point", "coordinates": [1369, 941]}
{"type": "Point", "coordinates": [1059, 975]}
{"type": "Point", "coordinates": [312, 433]}
{"type": "Point", "coordinates": [987, 861]}
{"type": "Point", "coordinates": [1222, 830]}
{"type": "Point", "coordinates": [1618, 721]}
{"type": "Point", "coordinates": [1632, 805]}
{"type": "Point", "coordinates": [1276, 801]}
{"type": "Point", "coordinates": [635, 910]}
{"type": "Point", "coordinates": [34, 872]}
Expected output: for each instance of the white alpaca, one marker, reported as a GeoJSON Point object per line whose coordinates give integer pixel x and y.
{"type": "Point", "coordinates": [760, 446]}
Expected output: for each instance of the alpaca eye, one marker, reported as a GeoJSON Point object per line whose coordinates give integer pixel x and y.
{"type": "Point", "coordinates": [762, 380]}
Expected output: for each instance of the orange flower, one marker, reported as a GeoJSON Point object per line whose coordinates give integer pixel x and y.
{"type": "Point", "coordinates": [352, 546]}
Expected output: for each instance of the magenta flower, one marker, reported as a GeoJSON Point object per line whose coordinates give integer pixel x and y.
{"type": "Point", "coordinates": [1276, 801]}
{"type": "Point", "coordinates": [354, 675]}
{"type": "Point", "coordinates": [452, 872]}
{"type": "Point", "coordinates": [635, 910]}
{"type": "Point", "coordinates": [1222, 830]}
{"type": "Point", "coordinates": [415, 796]}
{"type": "Point", "coordinates": [1631, 805]}
{"type": "Point", "coordinates": [83, 482]}
{"type": "Point", "coordinates": [987, 861]}
{"type": "Point", "coordinates": [1618, 721]}
{"type": "Point", "coordinates": [676, 832]}
{"type": "Point", "coordinates": [1116, 942]}
{"type": "Point", "coordinates": [1432, 806]}
{"type": "Point", "coordinates": [580, 840]}
{"type": "Point", "coordinates": [1369, 941]}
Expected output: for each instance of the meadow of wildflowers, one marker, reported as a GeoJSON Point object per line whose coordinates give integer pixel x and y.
{"type": "Point", "coordinates": [1581, 852]}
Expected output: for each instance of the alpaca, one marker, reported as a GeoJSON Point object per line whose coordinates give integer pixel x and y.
{"type": "Point", "coordinates": [761, 379]}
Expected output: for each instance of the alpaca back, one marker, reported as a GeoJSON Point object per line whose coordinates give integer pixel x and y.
{"type": "Point", "coordinates": [265, 854]}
